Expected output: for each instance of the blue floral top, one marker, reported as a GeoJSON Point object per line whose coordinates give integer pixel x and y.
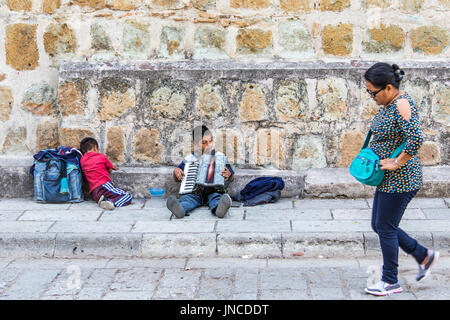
{"type": "Point", "coordinates": [389, 130]}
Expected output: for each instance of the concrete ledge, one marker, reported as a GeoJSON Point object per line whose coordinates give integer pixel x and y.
{"type": "Point", "coordinates": [16, 181]}
{"type": "Point", "coordinates": [208, 245]}
{"type": "Point", "coordinates": [338, 182]}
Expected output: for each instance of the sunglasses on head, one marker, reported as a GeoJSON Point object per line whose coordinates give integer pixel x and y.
{"type": "Point", "coordinates": [374, 93]}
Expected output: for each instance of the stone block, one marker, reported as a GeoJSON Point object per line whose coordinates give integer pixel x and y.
{"type": "Point", "coordinates": [429, 154]}
{"type": "Point", "coordinates": [40, 99]}
{"type": "Point", "coordinates": [169, 4]}
{"type": "Point", "coordinates": [378, 3]}
{"type": "Point", "coordinates": [59, 39]}
{"type": "Point", "coordinates": [270, 150]}
{"type": "Point", "coordinates": [253, 41]}
{"type": "Point", "coordinates": [21, 48]}
{"type": "Point", "coordinates": [28, 244]}
{"type": "Point", "coordinates": [100, 39]}
{"type": "Point", "coordinates": [326, 244]}
{"type": "Point", "coordinates": [72, 136]}
{"type": "Point", "coordinates": [115, 150]}
{"type": "Point", "coordinates": [19, 5]}
{"type": "Point", "coordinates": [351, 144]}
{"type": "Point", "coordinates": [179, 245]}
{"type": "Point", "coordinates": [440, 109]}
{"type": "Point", "coordinates": [384, 39]}
{"type": "Point", "coordinates": [231, 143]}
{"type": "Point", "coordinates": [167, 100]}
{"type": "Point", "coordinates": [123, 5]}
{"type": "Point", "coordinates": [249, 4]}
{"type": "Point", "coordinates": [47, 136]}
{"type": "Point", "coordinates": [210, 101]}
{"type": "Point", "coordinates": [172, 42]}
{"type": "Point", "coordinates": [255, 244]}
{"type": "Point", "coordinates": [291, 100]}
{"type": "Point", "coordinates": [295, 39]}
{"type": "Point", "coordinates": [203, 4]}
{"type": "Point", "coordinates": [308, 153]}
{"type": "Point", "coordinates": [252, 105]}
{"type": "Point", "coordinates": [332, 95]}
{"type": "Point", "coordinates": [117, 96]}
{"type": "Point", "coordinates": [338, 40]}
{"type": "Point", "coordinates": [412, 5]}
{"type": "Point", "coordinates": [296, 5]}
{"type": "Point", "coordinates": [147, 146]}
{"type": "Point", "coordinates": [430, 40]}
{"type": "Point", "coordinates": [92, 4]}
{"type": "Point", "coordinates": [210, 43]}
{"type": "Point", "coordinates": [83, 245]}
{"type": "Point", "coordinates": [15, 141]}
{"type": "Point", "coordinates": [72, 97]}
{"type": "Point", "coordinates": [419, 90]}
{"type": "Point", "coordinates": [50, 6]}
{"type": "Point", "coordinates": [136, 40]}
{"type": "Point", "coordinates": [334, 5]}
{"type": "Point", "coordinates": [6, 103]}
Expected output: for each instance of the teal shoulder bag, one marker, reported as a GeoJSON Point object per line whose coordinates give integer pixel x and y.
{"type": "Point", "coordinates": [366, 165]}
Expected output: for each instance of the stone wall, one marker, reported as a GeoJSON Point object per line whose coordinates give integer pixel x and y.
{"type": "Point", "coordinates": [278, 115]}
{"type": "Point", "coordinates": [279, 81]}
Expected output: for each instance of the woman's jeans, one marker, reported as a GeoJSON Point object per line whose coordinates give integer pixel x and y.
{"type": "Point", "coordinates": [388, 209]}
{"type": "Point", "coordinates": [191, 201]}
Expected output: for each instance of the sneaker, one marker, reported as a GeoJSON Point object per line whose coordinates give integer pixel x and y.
{"type": "Point", "coordinates": [383, 289]}
{"type": "Point", "coordinates": [425, 269]}
{"type": "Point", "coordinates": [223, 206]}
{"type": "Point", "coordinates": [175, 207]}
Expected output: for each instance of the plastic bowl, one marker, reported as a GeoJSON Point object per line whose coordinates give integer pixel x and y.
{"type": "Point", "coordinates": [157, 192]}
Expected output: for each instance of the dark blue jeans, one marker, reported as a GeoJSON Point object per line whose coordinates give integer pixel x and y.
{"type": "Point", "coordinates": [387, 211]}
{"type": "Point", "coordinates": [191, 201]}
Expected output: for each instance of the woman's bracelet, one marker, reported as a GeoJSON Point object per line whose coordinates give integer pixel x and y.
{"type": "Point", "coordinates": [398, 163]}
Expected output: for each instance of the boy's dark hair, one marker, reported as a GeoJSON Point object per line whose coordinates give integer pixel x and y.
{"type": "Point", "coordinates": [199, 132]}
{"type": "Point", "coordinates": [88, 144]}
{"type": "Point", "coordinates": [381, 74]}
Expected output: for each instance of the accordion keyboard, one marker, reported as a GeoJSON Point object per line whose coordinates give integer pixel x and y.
{"type": "Point", "coordinates": [190, 177]}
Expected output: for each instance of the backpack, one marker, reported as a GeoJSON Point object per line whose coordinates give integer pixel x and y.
{"type": "Point", "coordinates": [57, 175]}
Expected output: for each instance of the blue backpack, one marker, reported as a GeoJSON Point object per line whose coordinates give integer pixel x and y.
{"type": "Point", "coordinates": [57, 175]}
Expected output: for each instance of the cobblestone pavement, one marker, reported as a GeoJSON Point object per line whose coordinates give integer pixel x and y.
{"type": "Point", "coordinates": [211, 278]}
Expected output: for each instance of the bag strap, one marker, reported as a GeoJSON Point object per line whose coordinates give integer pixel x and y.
{"type": "Point", "coordinates": [366, 142]}
{"type": "Point", "coordinates": [394, 154]}
{"type": "Point", "coordinates": [398, 150]}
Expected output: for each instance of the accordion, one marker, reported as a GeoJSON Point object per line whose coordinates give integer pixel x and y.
{"type": "Point", "coordinates": [203, 172]}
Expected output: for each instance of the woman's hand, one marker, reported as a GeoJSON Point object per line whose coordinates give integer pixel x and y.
{"type": "Point", "coordinates": [178, 173]}
{"type": "Point", "coordinates": [388, 164]}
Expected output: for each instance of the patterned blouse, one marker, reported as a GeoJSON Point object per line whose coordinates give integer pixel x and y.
{"type": "Point", "coordinates": [389, 130]}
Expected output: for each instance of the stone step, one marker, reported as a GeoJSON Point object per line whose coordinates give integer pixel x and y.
{"type": "Point", "coordinates": [310, 227]}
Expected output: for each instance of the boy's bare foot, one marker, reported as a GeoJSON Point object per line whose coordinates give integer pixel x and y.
{"type": "Point", "coordinates": [105, 204]}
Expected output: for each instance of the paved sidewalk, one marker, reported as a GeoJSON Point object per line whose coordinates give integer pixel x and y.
{"type": "Point", "coordinates": [212, 279]}
{"type": "Point", "coordinates": [288, 228]}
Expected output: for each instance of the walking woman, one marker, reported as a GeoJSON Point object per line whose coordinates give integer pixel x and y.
{"type": "Point", "coordinates": [396, 120]}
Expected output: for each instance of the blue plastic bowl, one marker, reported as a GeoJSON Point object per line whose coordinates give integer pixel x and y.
{"type": "Point", "coordinates": [157, 192]}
